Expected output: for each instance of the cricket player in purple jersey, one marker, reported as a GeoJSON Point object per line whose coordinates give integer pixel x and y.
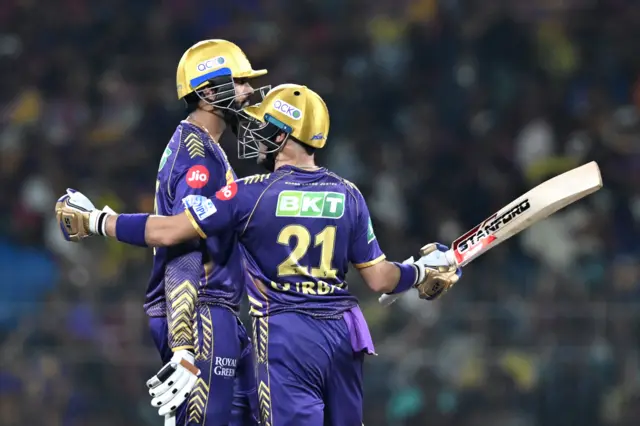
{"type": "Point", "coordinates": [196, 287]}
{"type": "Point", "coordinates": [300, 226]}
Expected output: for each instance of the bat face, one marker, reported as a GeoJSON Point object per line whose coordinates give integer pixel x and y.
{"type": "Point", "coordinates": [540, 202]}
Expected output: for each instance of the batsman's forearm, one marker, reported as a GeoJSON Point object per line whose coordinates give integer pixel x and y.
{"type": "Point", "coordinates": [150, 230]}
{"type": "Point", "coordinates": [181, 279]}
{"type": "Point", "coordinates": [382, 277]}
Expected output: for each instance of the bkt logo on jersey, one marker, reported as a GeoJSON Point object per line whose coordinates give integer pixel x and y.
{"type": "Point", "coordinates": [211, 63]}
{"type": "Point", "coordinates": [287, 109]}
{"type": "Point", "coordinates": [329, 205]}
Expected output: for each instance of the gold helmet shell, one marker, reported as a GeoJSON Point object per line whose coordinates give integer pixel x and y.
{"type": "Point", "coordinates": [297, 110]}
{"type": "Point", "coordinates": [208, 59]}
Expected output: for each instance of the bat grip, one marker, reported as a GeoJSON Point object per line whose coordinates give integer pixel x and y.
{"type": "Point", "coordinates": [388, 299]}
{"type": "Point", "coordinates": [170, 419]}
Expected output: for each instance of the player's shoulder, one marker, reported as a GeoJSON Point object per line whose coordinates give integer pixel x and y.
{"type": "Point", "coordinates": [255, 180]}
{"type": "Point", "coordinates": [193, 141]}
{"type": "Point", "coordinates": [191, 147]}
{"type": "Point", "coordinates": [252, 186]}
{"type": "Point", "coordinates": [349, 186]}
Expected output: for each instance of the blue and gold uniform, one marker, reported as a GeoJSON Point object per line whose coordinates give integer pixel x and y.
{"type": "Point", "coordinates": [300, 229]}
{"type": "Point", "coordinates": [195, 288]}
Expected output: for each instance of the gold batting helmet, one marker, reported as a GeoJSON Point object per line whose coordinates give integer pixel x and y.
{"type": "Point", "coordinates": [290, 108]}
{"type": "Point", "coordinates": [211, 59]}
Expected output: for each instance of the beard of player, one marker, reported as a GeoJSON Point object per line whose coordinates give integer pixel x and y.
{"type": "Point", "coordinates": [209, 104]}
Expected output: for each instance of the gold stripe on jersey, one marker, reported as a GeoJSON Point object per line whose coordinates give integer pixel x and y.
{"type": "Point", "coordinates": [183, 302]}
{"type": "Point", "coordinates": [255, 178]}
{"type": "Point", "coordinates": [261, 330]}
{"type": "Point", "coordinates": [206, 345]}
{"type": "Point", "coordinates": [229, 176]}
{"type": "Point", "coordinates": [371, 262]}
{"type": "Point", "coordinates": [198, 401]}
{"type": "Point", "coordinates": [208, 269]}
{"type": "Point", "coordinates": [253, 304]}
{"type": "Point", "coordinates": [195, 146]}
{"type": "Point", "coordinates": [195, 224]}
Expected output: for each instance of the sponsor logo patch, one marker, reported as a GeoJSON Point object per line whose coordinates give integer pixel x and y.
{"type": "Point", "coordinates": [165, 156]}
{"type": "Point", "coordinates": [329, 205]}
{"type": "Point", "coordinates": [370, 234]}
{"type": "Point", "coordinates": [201, 205]}
{"type": "Point", "coordinates": [197, 176]}
{"type": "Point", "coordinates": [287, 109]}
{"type": "Point", "coordinates": [211, 63]}
{"type": "Point", "coordinates": [228, 192]}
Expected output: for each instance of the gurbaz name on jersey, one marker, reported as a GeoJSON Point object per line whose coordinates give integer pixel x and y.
{"type": "Point", "coordinates": [319, 287]}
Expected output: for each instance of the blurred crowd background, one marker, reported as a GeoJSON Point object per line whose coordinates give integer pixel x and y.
{"type": "Point", "coordinates": [442, 111]}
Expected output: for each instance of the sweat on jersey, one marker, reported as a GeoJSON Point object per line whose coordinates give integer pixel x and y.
{"type": "Point", "coordinates": [210, 270]}
{"type": "Point", "coordinates": [299, 229]}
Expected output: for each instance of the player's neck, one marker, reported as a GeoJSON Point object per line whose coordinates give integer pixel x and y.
{"type": "Point", "coordinates": [211, 123]}
{"type": "Point", "coordinates": [306, 162]}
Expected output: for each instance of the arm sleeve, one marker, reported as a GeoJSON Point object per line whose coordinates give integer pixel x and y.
{"type": "Point", "coordinates": [222, 212]}
{"type": "Point", "coordinates": [197, 178]}
{"type": "Point", "coordinates": [364, 249]}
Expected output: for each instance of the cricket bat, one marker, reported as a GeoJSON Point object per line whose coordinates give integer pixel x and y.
{"type": "Point", "coordinates": [170, 419]}
{"type": "Point", "coordinates": [531, 207]}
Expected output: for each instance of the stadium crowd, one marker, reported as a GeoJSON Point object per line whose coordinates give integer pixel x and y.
{"type": "Point", "coordinates": [442, 112]}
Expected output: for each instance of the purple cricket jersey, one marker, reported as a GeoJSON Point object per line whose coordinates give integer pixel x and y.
{"type": "Point", "coordinates": [195, 166]}
{"type": "Point", "coordinates": [299, 230]}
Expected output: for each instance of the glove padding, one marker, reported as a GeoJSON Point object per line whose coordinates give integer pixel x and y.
{"type": "Point", "coordinates": [435, 275]}
{"type": "Point", "coordinates": [171, 386]}
{"type": "Point", "coordinates": [78, 217]}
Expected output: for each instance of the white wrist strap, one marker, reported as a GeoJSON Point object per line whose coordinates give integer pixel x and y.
{"type": "Point", "coordinates": [98, 222]}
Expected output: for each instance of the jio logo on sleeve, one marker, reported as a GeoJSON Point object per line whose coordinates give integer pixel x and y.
{"type": "Point", "coordinates": [197, 176]}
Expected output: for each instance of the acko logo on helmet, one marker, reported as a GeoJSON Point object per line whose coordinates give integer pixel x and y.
{"type": "Point", "coordinates": [287, 109]}
{"type": "Point", "coordinates": [211, 63]}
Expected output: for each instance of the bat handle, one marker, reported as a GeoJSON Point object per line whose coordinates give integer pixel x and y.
{"type": "Point", "coordinates": [388, 299]}
{"type": "Point", "coordinates": [170, 419]}
{"type": "Point", "coordinates": [451, 258]}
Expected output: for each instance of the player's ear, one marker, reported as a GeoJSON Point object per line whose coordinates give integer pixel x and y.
{"type": "Point", "coordinates": [281, 137]}
{"type": "Point", "coordinates": [210, 96]}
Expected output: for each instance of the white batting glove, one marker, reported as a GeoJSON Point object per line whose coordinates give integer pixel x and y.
{"type": "Point", "coordinates": [434, 258]}
{"type": "Point", "coordinates": [437, 272]}
{"type": "Point", "coordinates": [171, 386]}
{"type": "Point", "coordinates": [78, 217]}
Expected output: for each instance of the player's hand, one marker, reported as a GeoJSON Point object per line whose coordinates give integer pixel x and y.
{"type": "Point", "coordinates": [171, 386]}
{"type": "Point", "coordinates": [77, 215]}
{"type": "Point", "coordinates": [435, 274]}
